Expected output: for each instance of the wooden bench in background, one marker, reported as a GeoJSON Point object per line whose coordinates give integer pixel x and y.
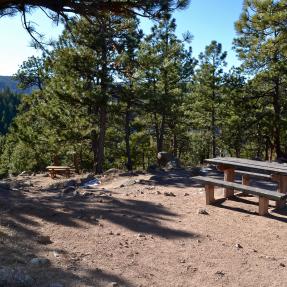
{"type": "Point", "coordinates": [263, 194]}
{"type": "Point", "coordinates": [62, 170]}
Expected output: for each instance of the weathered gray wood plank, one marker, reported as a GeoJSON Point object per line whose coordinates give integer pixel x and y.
{"type": "Point", "coordinates": [250, 165]}
{"type": "Point", "coordinates": [253, 174]}
{"type": "Point", "coordinates": [272, 195]}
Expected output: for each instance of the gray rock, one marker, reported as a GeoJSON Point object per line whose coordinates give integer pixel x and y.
{"type": "Point", "coordinates": [87, 193]}
{"type": "Point", "coordinates": [44, 239]}
{"type": "Point", "coordinates": [69, 189]}
{"type": "Point", "coordinates": [70, 183]}
{"type": "Point", "coordinates": [15, 277]}
{"type": "Point", "coordinates": [219, 273]}
{"type": "Point", "coordinates": [87, 177]}
{"type": "Point", "coordinates": [166, 193]}
{"type": "Point", "coordinates": [24, 173]}
{"type": "Point", "coordinates": [202, 211]}
{"type": "Point", "coordinates": [38, 262]}
{"type": "Point", "coordinates": [114, 284]}
{"type": "Point", "coordinates": [168, 160]}
{"type": "Point", "coordinates": [239, 246]}
{"type": "Point", "coordinates": [173, 164]}
{"type": "Point", "coordinates": [76, 193]}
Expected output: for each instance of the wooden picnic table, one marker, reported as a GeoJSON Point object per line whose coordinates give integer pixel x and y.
{"type": "Point", "coordinates": [55, 169]}
{"type": "Point", "coordinates": [228, 165]}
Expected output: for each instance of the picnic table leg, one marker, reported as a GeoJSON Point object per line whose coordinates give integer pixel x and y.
{"type": "Point", "coordinates": [229, 176]}
{"type": "Point", "coordinates": [209, 194]}
{"type": "Point", "coordinates": [245, 179]}
{"type": "Point", "coordinates": [263, 205]}
{"type": "Point", "coordinates": [282, 187]}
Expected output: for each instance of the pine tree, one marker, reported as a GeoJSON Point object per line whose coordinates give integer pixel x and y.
{"type": "Point", "coordinates": [262, 47]}
{"type": "Point", "coordinates": [165, 66]}
{"type": "Point", "coordinates": [207, 91]}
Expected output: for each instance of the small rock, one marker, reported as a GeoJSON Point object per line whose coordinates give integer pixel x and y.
{"type": "Point", "coordinates": [219, 273]}
{"type": "Point", "coordinates": [87, 193]}
{"type": "Point", "coordinates": [186, 194]}
{"type": "Point", "coordinates": [202, 211]}
{"type": "Point", "coordinates": [44, 240]}
{"type": "Point", "coordinates": [56, 253]}
{"type": "Point", "coordinates": [191, 268]}
{"type": "Point", "coordinates": [68, 189]}
{"type": "Point", "coordinates": [23, 173]}
{"type": "Point", "coordinates": [69, 183]}
{"type": "Point", "coordinates": [158, 192]}
{"type": "Point", "coordinates": [150, 187]}
{"type": "Point", "coordinates": [166, 193]}
{"type": "Point", "coordinates": [140, 235]}
{"type": "Point", "coordinates": [76, 193]}
{"type": "Point", "coordinates": [182, 261]}
{"type": "Point", "coordinates": [282, 265]}
{"type": "Point", "coordinates": [114, 284]}
{"type": "Point", "coordinates": [38, 262]}
{"type": "Point", "coordinates": [239, 246]}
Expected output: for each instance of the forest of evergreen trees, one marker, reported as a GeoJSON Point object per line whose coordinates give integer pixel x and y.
{"type": "Point", "coordinates": [110, 96]}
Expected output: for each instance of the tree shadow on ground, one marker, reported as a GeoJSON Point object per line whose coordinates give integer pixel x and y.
{"type": "Point", "coordinates": [23, 214]}
{"type": "Point", "coordinates": [179, 178]}
{"type": "Point", "coordinates": [282, 212]}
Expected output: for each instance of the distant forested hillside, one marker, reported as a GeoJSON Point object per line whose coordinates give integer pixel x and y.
{"type": "Point", "coordinates": [11, 83]}
{"type": "Point", "coordinates": [9, 102]}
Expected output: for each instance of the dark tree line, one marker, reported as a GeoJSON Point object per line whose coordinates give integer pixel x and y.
{"type": "Point", "coordinates": [110, 96]}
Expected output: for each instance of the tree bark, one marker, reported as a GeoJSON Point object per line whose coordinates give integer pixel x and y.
{"type": "Point", "coordinates": [277, 120]}
{"type": "Point", "coordinates": [127, 137]}
{"type": "Point", "coordinates": [100, 155]}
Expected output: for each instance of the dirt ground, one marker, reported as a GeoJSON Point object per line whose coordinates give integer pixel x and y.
{"type": "Point", "coordinates": [143, 230]}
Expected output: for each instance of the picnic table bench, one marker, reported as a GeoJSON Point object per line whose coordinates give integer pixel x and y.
{"type": "Point", "coordinates": [247, 168]}
{"type": "Point", "coordinates": [55, 169]}
{"type": "Point", "coordinates": [263, 194]}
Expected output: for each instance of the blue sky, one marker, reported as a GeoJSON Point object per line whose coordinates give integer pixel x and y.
{"type": "Point", "coordinates": [207, 20]}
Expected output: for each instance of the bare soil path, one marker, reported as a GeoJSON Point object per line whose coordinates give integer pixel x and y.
{"type": "Point", "coordinates": [143, 230]}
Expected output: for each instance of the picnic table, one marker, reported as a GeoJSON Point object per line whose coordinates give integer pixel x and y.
{"type": "Point", "coordinates": [55, 169]}
{"type": "Point", "coordinates": [248, 168]}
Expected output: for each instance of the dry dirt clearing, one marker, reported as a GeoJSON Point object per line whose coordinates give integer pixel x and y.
{"type": "Point", "coordinates": [145, 230]}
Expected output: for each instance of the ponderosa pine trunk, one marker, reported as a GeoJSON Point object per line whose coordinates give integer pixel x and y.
{"type": "Point", "coordinates": [101, 140]}
{"type": "Point", "coordinates": [127, 137]}
{"type": "Point", "coordinates": [277, 120]}
{"type": "Point", "coordinates": [103, 106]}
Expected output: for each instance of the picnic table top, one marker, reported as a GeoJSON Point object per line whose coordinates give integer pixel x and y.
{"type": "Point", "coordinates": [58, 167]}
{"type": "Point", "coordinates": [250, 165]}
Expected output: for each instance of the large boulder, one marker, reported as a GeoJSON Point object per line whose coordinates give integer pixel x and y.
{"type": "Point", "coordinates": [168, 160]}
